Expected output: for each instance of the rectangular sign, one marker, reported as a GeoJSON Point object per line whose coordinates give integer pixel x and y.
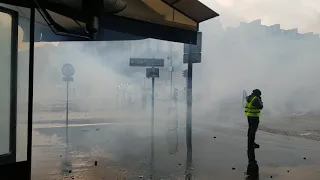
{"type": "Point", "coordinates": [146, 62]}
{"type": "Point", "coordinates": [70, 79]}
{"type": "Point", "coordinates": [195, 58]}
{"type": "Point", "coordinates": [192, 49]}
{"type": "Point", "coordinates": [152, 72]}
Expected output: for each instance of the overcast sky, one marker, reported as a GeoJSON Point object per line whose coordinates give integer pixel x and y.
{"type": "Point", "coordinates": [302, 14]}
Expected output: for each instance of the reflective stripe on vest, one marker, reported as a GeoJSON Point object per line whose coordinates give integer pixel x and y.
{"type": "Point", "coordinates": [250, 110]}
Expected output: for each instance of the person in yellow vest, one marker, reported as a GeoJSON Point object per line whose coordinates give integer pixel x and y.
{"type": "Point", "coordinates": [253, 108]}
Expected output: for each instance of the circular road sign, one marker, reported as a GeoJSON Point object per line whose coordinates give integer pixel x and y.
{"type": "Point", "coordinates": [67, 70]}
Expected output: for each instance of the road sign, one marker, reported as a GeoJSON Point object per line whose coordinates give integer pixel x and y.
{"type": "Point", "coordinates": [195, 58]}
{"type": "Point", "coordinates": [67, 70]}
{"type": "Point", "coordinates": [190, 48]}
{"type": "Point", "coordinates": [152, 72]}
{"type": "Point", "coordinates": [193, 52]}
{"type": "Point", "coordinates": [146, 62]}
{"type": "Point", "coordinates": [69, 79]}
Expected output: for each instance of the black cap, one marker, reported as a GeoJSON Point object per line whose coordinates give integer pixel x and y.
{"type": "Point", "coordinates": [256, 92]}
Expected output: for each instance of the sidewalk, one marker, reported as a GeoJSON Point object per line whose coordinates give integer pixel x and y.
{"type": "Point", "coordinates": [47, 117]}
{"type": "Point", "coordinates": [303, 127]}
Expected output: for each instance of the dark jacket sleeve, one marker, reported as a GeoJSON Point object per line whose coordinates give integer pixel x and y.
{"type": "Point", "coordinates": [258, 103]}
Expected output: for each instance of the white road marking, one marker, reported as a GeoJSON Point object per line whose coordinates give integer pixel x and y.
{"type": "Point", "coordinates": [41, 126]}
{"type": "Point", "coordinates": [305, 134]}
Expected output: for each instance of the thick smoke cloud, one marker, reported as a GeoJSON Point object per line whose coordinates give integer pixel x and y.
{"type": "Point", "coordinates": [250, 55]}
{"type": "Point", "coordinates": [281, 63]}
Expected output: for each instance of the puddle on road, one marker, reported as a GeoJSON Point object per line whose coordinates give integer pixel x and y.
{"type": "Point", "coordinates": [51, 161]}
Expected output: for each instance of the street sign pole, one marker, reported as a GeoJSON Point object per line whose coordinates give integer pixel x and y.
{"type": "Point", "coordinates": [152, 121]}
{"type": "Point", "coordinates": [67, 71]}
{"type": "Point", "coordinates": [67, 162]}
{"type": "Point", "coordinates": [67, 120]}
{"type": "Point", "coordinates": [150, 73]}
{"type": "Point", "coordinates": [152, 131]}
{"type": "Point", "coordinates": [152, 104]}
{"type": "Point", "coordinates": [192, 54]}
{"type": "Point", "coordinates": [188, 170]}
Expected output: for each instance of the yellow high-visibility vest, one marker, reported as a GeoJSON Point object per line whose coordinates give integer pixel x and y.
{"type": "Point", "coordinates": [250, 110]}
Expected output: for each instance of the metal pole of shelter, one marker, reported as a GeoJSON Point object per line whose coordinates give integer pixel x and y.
{"type": "Point", "coordinates": [30, 96]}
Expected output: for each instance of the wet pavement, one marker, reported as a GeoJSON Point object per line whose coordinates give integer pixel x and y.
{"type": "Point", "coordinates": [123, 151]}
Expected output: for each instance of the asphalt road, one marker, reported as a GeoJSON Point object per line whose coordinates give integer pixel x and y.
{"type": "Point", "coordinates": [123, 151]}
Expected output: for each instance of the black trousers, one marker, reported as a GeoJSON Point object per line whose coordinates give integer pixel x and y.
{"type": "Point", "coordinates": [253, 127]}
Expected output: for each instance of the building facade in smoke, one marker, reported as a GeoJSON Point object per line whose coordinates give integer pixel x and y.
{"type": "Point", "coordinates": [257, 28]}
{"type": "Point", "coordinates": [244, 57]}
{"type": "Point", "coordinates": [254, 55]}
